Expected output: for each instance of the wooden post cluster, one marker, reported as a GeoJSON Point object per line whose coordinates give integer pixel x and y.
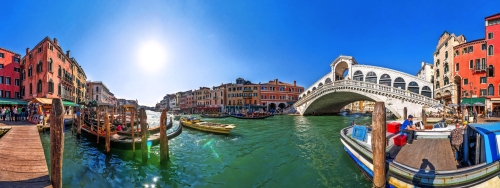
{"type": "Point", "coordinates": [98, 114]}
{"type": "Point", "coordinates": [56, 142]}
{"type": "Point", "coordinates": [73, 124]}
{"type": "Point", "coordinates": [132, 122]}
{"type": "Point", "coordinates": [106, 123]}
{"type": "Point", "coordinates": [144, 136]}
{"type": "Point", "coordinates": [163, 138]}
{"type": "Point", "coordinates": [378, 144]}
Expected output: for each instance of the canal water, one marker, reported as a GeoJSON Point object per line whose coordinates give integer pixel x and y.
{"type": "Point", "coordinates": [280, 151]}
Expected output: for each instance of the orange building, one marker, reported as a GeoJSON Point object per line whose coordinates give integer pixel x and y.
{"type": "Point", "coordinates": [475, 62]}
{"type": "Point", "coordinates": [279, 95]}
{"type": "Point", "coordinates": [46, 72]}
{"type": "Point", "coordinates": [242, 94]}
{"type": "Point", "coordinates": [10, 83]}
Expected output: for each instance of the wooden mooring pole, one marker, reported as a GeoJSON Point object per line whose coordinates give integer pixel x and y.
{"type": "Point", "coordinates": [379, 142]}
{"type": "Point", "coordinates": [98, 114]}
{"type": "Point", "coordinates": [106, 123]}
{"type": "Point", "coordinates": [144, 136]}
{"type": "Point", "coordinates": [424, 117]}
{"type": "Point", "coordinates": [163, 138]}
{"type": "Point", "coordinates": [56, 142]}
{"type": "Point", "coordinates": [405, 112]}
{"type": "Point", "coordinates": [132, 121]}
{"type": "Point", "coordinates": [73, 124]}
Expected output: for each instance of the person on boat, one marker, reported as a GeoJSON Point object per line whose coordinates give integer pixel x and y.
{"type": "Point", "coordinates": [457, 138]}
{"type": "Point", "coordinates": [408, 128]}
{"type": "Point", "coordinates": [119, 128]}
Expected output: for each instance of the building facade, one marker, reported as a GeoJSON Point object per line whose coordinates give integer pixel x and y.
{"type": "Point", "coordinates": [279, 95]}
{"type": "Point", "coordinates": [445, 88]}
{"type": "Point", "coordinates": [79, 81]}
{"type": "Point", "coordinates": [46, 72]}
{"type": "Point", "coordinates": [426, 72]}
{"type": "Point", "coordinates": [98, 91]}
{"type": "Point", "coordinates": [10, 74]}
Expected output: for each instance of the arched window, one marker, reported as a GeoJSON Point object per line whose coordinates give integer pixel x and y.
{"type": "Point", "coordinates": [39, 86]}
{"type": "Point", "coordinates": [308, 91]}
{"type": "Point", "coordinates": [96, 88]}
{"type": "Point", "coordinates": [59, 89]}
{"type": "Point", "coordinates": [23, 75]}
{"type": "Point", "coordinates": [51, 86]}
{"type": "Point", "coordinates": [328, 80]}
{"type": "Point", "coordinates": [437, 85]}
{"type": "Point", "coordinates": [446, 81]}
{"type": "Point", "coordinates": [30, 71]}
{"type": "Point", "coordinates": [31, 89]}
{"type": "Point", "coordinates": [314, 88]}
{"type": "Point", "coordinates": [49, 65]}
{"type": "Point", "coordinates": [490, 50]}
{"type": "Point", "coordinates": [491, 90]}
{"type": "Point", "coordinates": [304, 95]}
{"type": "Point", "coordinates": [385, 79]}
{"type": "Point", "coordinates": [320, 84]}
{"type": "Point", "coordinates": [437, 73]}
{"type": "Point", "coordinates": [446, 55]}
{"type": "Point", "coordinates": [491, 71]}
{"type": "Point", "coordinates": [446, 68]}
{"type": "Point", "coordinates": [358, 75]}
{"type": "Point", "coordinates": [371, 77]}
{"type": "Point", "coordinates": [39, 66]}
{"type": "Point", "coordinates": [426, 91]}
{"type": "Point", "coordinates": [413, 87]}
{"type": "Point", "coordinates": [399, 83]}
{"type": "Point", "coordinates": [437, 63]}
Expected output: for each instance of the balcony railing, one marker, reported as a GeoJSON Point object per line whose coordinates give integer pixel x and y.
{"type": "Point", "coordinates": [67, 96]}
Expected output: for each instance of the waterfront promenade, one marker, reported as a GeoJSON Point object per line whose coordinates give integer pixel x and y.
{"type": "Point", "coordinates": [22, 160]}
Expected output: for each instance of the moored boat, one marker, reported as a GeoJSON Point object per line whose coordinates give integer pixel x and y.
{"type": "Point", "coordinates": [214, 115]}
{"type": "Point", "coordinates": [251, 116]}
{"type": "Point", "coordinates": [429, 161]}
{"type": "Point", "coordinates": [207, 126]}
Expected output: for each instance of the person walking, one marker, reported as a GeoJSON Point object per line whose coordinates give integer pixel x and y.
{"type": "Point", "coordinates": [474, 114]}
{"type": "Point", "coordinates": [2, 115]}
{"type": "Point", "coordinates": [466, 114]}
{"type": "Point", "coordinates": [15, 113]}
{"type": "Point", "coordinates": [23, 113]}
{"type": "Point", "coordinates": [457, 139]}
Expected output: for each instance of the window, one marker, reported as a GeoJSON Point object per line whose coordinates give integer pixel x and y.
{"type": "Point", "coordinates": [385, 79]}
{"type": "Point", "coordinates": [39, 66]}
{"type": "Point", "coordinates": [446, 44]}
{"type": "Point", "coordinates": [491, 90]}
{"type": "Point", "coordinates": [16, 95]}
{"type": "Point", "coordinates": [7, 80]}
{"type": "Point", "coordinates": [23, 92]}
{"type": "Point", "coordinates": [471, 49]}
{"type": "Point", "coordinates": [31, 56]}
{"type": "Point", "coordinates": [17, 82]}
{"type": "Point", "coordinates": [483, 64]}
{"type": "Point", "coordinates": [491, 71]}
{"type": "Point", "coordinates": [446, 81]}
{"type": "Point", "coordinates": [39, 86]}
{"type": "Point", "coordinates": [483, 92]}
{"type": "Point", "coordinates": [437, 73]}
{"type": "Point", "coordinates": [371, 77]}
{"type": "Point", "coordinates": [466, 81]}
{"type": "Point", "coordinates": [490, 50]}
{"type": "Point", "coordinates": [49, 65]}
{"type": "Point", "coordinates": [1, 93]}
{"type": "Point", "coordinates": [446, 69]}
{"type": "Point", "coordinates": [39, 49]}
{"type": "Point", "coordinates": [51, 86]}
{"type": "Point", "coordinates": [446, 55]}
{"type": "Point", "coordinates": [413, 87]}
{"type": "Point", "coordinates": [478, 64]}
{"type": "Point", "coordinates": [437, 63]}
{"type": "Point", "coordinates": [30, 71]}
{"type": "Point", "coordinates": [2, 55]}
{"type": "Point", "coordinates": [7, 94]}
{"type": "Point", "coordinates": [471, 64]}
{"type": "Point", "coordinates": [399, 83]}
{"type": "Point", "coordinates": [1, 79]}
{"type": "Point", "coordinates": [426, 91]}
{"type": "Point", "coordinates": [17, 69]}
{"type": "Point", "coordinates": [457, 67]}
{"type": "Point", "coordinates": [31, 89]}
{"type": "Point", "coordinates": [16, 59]}
{"type": "Point", "coordinates": [1, 66]}
{"type": "Point", "coordinates": [482, 80]}
{"type": "Point", "coordinates": [456, 53]}
{"type": "Point", "coordinates": [358, 75]}
{"type": "Point", "coordinates": [483, 47]}
{"type": "Point", "coordinates": [490, 35]}
{"type": "Point", "coordinates": [97, 89]}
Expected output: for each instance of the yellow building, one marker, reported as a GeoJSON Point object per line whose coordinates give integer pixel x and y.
{"type": "Point", "coordinates": [79, 81]}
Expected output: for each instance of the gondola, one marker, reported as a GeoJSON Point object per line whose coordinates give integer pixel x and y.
{"type": "Point", "coordinates": [152, 130]}
{"type": "Point", "coordinates": [256, 117]}
{"type": "Point", "coordinates": [125, 142]}
{"type": "Point", "coordinates": [214, 116]}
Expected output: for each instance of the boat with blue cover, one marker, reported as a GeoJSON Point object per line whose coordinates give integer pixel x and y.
{"type": "Point", "coordinates": [429, 161]}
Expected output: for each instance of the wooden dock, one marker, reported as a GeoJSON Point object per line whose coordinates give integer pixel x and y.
{"type": "Point", "coordinates": [429, 154]}
{"type": "Point", "coordinates": [22, 161]}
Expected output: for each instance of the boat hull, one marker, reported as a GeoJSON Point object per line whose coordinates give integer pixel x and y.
{"type": "Point", "coordinates": [260, 117]}
{"type": "Point", "coordinates": [402, 176]}
{"type": "Point", "coordinates": [208, 116]}
{"type": "Point", "coordinates": [205, 128]}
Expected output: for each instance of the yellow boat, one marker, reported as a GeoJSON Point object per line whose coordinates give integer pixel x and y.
{"type": "Point", "coordinates": [207, 126]}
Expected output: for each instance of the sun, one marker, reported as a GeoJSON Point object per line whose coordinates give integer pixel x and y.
{"type": "Point", "coordinates": [152, 56]}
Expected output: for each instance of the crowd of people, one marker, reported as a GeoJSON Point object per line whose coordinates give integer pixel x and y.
{"type": "Point", "coordinates": [14, 113]}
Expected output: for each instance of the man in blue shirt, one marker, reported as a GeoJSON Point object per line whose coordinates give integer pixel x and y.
{"type": "Point", "coordinates": [408, 128]}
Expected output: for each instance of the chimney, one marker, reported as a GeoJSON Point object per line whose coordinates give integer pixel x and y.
{"type": "Point", "coordinates": [55, 42]}
{"type": "Point", "coordinates": [276, 81]}
{"type": "Point", "coordinates": [27, 51]}
{"type": "Point", "coordinates": [67, 54]}
{"type": "Point", "coordinates": [294, 83]}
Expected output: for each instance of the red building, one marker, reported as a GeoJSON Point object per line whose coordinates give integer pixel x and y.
{"type": "Point", "coordinates": [46, 72]}
{"type": "Point", "coordinates": [9, 74]}
{"type": "Point", "coordinates": [475, 64]}
{"type": "Point", "coordinates": [276, 94]}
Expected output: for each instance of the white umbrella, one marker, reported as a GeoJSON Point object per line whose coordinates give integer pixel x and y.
{"type": "Point", "coordinates": [478, 104]}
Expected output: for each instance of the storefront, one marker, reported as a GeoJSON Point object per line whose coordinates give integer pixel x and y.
{"type": "Point", "coordinates": [472, 101]}
{"type": "Point", "coordinates": [495, 106]}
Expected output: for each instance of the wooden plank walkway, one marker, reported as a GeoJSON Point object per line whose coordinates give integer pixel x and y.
{"type": "Point", "coordinates": [22, 161]}
{"type": "Point", "coordinates": [429, 154]}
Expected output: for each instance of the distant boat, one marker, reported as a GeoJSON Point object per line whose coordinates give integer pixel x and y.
{"type": "Point", "coordinates": [207, 126]}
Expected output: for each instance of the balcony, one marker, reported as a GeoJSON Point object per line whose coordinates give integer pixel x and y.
{"type": "Point", "coordinates": [478, 69]}
{"type": "Point", "coordinates": [67, 97]}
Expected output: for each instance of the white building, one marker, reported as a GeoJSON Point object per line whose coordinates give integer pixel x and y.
{"type": "Point", "coordinates": [426, 72]}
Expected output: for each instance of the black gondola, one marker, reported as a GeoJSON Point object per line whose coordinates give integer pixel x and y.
{"type": "Point", "coordinates": [256, 117]}
{"type": "Point", "coordinates": [214, 116]}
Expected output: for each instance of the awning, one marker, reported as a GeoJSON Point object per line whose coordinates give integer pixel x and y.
{"type": "Point", "coordinates": [67, 103]}
{"type": "Point", "coordinates": [12, 101]}
{"type": "Point", "coordinates": [43, 101]}
{"type": "Point", "coordinates": [473, 100]}
{"type": "Point", "coordinates": [290, 102]}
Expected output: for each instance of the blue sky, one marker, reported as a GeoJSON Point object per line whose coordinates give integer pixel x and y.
{"type": "Point", "coordinates": [146, 49]}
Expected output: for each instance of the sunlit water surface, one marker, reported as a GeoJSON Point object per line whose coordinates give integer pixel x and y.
{"type": "Point", "coordinates": [280, 151]}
